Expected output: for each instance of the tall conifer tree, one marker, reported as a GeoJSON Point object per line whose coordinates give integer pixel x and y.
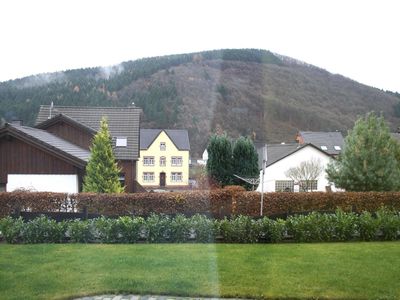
{"type": "Point", "coordinates": [369, 160]}
{"type": "Point", "coordinates": [219, 163]}
{"type": "Point", "coordinates": [245, 158]}
{"type": "Point", "coordinates": [102, 171]}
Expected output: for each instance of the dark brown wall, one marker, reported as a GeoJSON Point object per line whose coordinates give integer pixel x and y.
{"type": "Point", "coordinates": [129, 168]}
{"type": "Point", "coordinates": [19, 157]}
{"type": "Point", "coordinates": [72, 134]}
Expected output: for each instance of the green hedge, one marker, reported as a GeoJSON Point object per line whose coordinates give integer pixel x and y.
{"type": "Point", "coordinates": [314, 227]}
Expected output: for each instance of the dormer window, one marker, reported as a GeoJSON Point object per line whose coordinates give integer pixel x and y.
{"type": "Point", "coordinates": [163, 147]}
{"type": "Point", "coordinates": [121, 142]}
{"type": "Point", "coordinates": [324, 148]}
{"type": "Point", "coordinates": [337, 148]}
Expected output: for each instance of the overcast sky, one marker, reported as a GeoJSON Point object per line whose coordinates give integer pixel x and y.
{"type": "Point", "coordinates": [357, 39]}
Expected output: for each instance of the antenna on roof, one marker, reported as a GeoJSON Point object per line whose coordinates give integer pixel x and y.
{"type": "Point", "coordinates": [51, 108]}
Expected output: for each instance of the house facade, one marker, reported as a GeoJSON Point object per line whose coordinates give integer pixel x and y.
{"type": "Point", "coordinates": [59, 145]}
{"type": "Point", "coordinates": [36, 160]}
{"type": "Point", "coordinates": [282, 157]}
{"type": "Point", "coordinates": [164, 159]}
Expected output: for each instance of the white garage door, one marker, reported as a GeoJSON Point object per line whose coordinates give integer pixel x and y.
{"type": "Point", "coordinates": [43, 183]}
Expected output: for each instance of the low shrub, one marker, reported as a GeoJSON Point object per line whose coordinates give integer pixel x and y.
{"type": "Point", "coordinates": [11, 229]}
{"type": "Point", "coordinates": [43, 230]}
{"type": "Point", "coordinates": [241, 229]}
{"type": "Point", "coordinates": [345, 225]}
{"type": "Point", "coordinates": [205, 230]}
{"type": "Point", "coordinates": [81, 231]}
{"type": "Point", "coordinates": [157, 228]}
{"type": "Point", "coordinates": [271, 231]}
{"type": "Point", "coordinates": [107, 230]}
{"type": "Point", "coordinates": [314, 227]}
{"type": "Point", "coordinates": [389, 223]}
{"type": "Point", "coordinates": [367, 226]}
{"type": "Point", "coordinates": [179, 229]}
{"type": "Point", "coordinates": [130, 229]}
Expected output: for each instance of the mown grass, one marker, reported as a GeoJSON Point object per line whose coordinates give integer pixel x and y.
{"type": "Point", "coordinates": [302, 271]}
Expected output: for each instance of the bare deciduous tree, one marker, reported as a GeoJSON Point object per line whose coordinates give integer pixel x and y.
{"type": "Point", "coordinates": [305, 173]}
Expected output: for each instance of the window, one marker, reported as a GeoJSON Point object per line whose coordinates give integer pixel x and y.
{"type": "Point", "coordinates": [337, 148]}
{"type": "Point", "coordinates": [176, 176]}
{"type": "Point", "coordinates": [163, 161]}
{"type": "Point", "coordinates": [324, 148]}
{"type": "Point", "coordinates": [148, 161]}
{"type": "Point", "coordinates": [122, 179]}
{"type": "Point", "coordinates": [163, 147]}
{"type": "Point", "coordinates": [148, 176]}
{"type": "Point", "coordinates": [121, 142]}
{"type": "Point", "coordinates": [176, 161]}
{"type": "Point", "coordinates": [284, 186]}
{"type": "Point", "coordinates": [308, 185]}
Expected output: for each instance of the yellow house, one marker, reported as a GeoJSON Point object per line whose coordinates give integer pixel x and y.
{"type": "Point", "coordinates": [164, 158]}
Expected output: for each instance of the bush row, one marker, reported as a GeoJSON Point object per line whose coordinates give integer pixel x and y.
{"type": "Point", "coordinates": [215, 203]}
{"type": "Point", "coordinates": [338, 226]}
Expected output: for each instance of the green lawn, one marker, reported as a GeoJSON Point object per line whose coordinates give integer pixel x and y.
{"type": "Point", "coordinates": [331, 270]}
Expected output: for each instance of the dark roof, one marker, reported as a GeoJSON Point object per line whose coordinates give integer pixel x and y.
{"type": "Point", "coordinates": [50, 142]}
{"type": "Point", "coordinates": [179, 137]}
{"type": "Point", "coordinates": [327, 139]}
{"type": "Point", "coordinates": [122, 122]}
{"type": "Point", "coordinates": [276, 152]}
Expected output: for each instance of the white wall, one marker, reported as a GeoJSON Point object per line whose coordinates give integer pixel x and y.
{"type": "Point", "coordinates": [43, 183]}
{"type": "Point", "coordinates": [277, 170]}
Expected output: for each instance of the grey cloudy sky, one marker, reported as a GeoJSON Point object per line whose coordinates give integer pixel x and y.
{"type": "Point", "coordinates": [357, 39]}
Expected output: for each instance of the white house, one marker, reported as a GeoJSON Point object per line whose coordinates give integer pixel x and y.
{"type": "Point", "coordinates": [204, 158]}
{"type": "Point", "coordinates": [282, 157]}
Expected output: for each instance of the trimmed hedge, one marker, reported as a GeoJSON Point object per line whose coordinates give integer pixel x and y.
{"type": "Point", "coordinates": [315, 227]}
{"type": "Point", "coordinates": [248, 203]}
{"type": "Point", "coordinates": [219, 203]}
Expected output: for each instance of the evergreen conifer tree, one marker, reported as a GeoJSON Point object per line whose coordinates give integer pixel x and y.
{"type": "Point", "coordinates": [369, 160]}
{"type": "Point", "coordinates": [219, 163]}
{"type": "Point", "coordinates": [102, 171]}
{"type": "Point", "coordinates": [245, 159]}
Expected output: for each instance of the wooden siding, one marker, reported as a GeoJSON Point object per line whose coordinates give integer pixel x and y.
{"type": "Point", "coordinates": [19, 157]}
{"type": "Point", "coordinates": [129, 169]}
{"type": "Point", "coordinates": [72, 134]}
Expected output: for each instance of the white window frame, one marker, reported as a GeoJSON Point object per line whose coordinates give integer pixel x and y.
{"type": "Point", "coordinates": [282, 185]}
{"type": "Point", "coordinates": [148, 161]}
{"type": "Point", "coordinates": [163, 161]}
{"type": "Point", "coordinates": [163, 146]}
{"type": "Point", "coordinates": [313, 185]}
{"type": "Point", "coordinates": [148, 176]}
{"type": "Point", "coordinates": [121, 141]}
{"type": "Point", "coordinates": [176, 177]}
{"type": "Point", "coordinates": [176, 161]}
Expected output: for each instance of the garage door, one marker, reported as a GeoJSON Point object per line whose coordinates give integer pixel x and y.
{"type": "Point", "coordinates": [43, 183]}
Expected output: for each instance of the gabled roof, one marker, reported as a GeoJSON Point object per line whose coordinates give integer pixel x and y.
{"type": "Point", "coordinates": [61, 117]}
{"type": "Point", "coordinates": [277, 152]}
{"type": "Point", "coordinates": [179, 137]}
{"type": "Point", "coordinates": [48, 142]}
{"type": "Point", "coordinates": [330, 140]}
{"type": "Point", "coordinates": [122, 122]}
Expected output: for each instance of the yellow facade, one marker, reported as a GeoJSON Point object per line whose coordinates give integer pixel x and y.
{"type": "Point", "coordinates": [156, 164]}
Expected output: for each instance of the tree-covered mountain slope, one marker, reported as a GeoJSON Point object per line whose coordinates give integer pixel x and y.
{"type": "Point", "coordinates": [244, 92]}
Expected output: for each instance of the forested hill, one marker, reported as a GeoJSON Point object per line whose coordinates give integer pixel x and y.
{"type": "Point", "coordinates": [243, 92]}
